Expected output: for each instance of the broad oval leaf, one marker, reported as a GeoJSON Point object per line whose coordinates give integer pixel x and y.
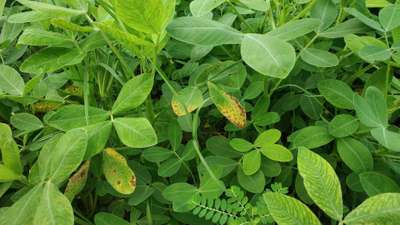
{"type": "Point", "coordinates": [389, 139]}
{"type": "Point", "coordinates": [289, 211]}
{"type": "Point", "coordinates": [277, 153]}
{"type": "Point", "coordinates": [372, 110]}
{"type": "Point", "coordinates": [133, 93]}
{"type": "Point", "coordinates": [375, 183]}
{"type": "Point", "coordinates": [254, 183]}
{"type": "Point", "coordinates": [389, 17]}
{"type": "Point", "coordinates": [228, 105]}
{"type": "Point", "coordinates": [355, 155]}
{"type": "Point", "coordinates": [39, 37]}
{"type": "Point", "coordinates": [202, 7]}
{"type": "Point", "coordinates": [10, 81]}
{"type": "Point", "coordinates": [319, 58]}
{"type": "Point", "coordinates": [379, 209]}
{"type": "Point", "coordinates": [321, 182]}
{"type": "Point", "coordinates": [251, 162]}
{"type": "Point", "coordinates": [50, 8]}
{"type": "Point", "coordinates": [200, 31]}
{"type": "Point", "coordinates": [26, 122]}
{"type": "Point", "coordinates": [181, 195]}
{"type": "Point", "coordinates": [135, 132]}
{"type": "Point", "coordinates": [117, 172]}
{"type": "Point", "coordinates": [268, 55]}
{"type": "Point", "coordinates": [337, 93]}
{"type": "Point", "coordinates": [74, 116]}
{"type": "Point", "coordinates": [103, 218]}
{"type": "Point", "coordinates": [54, 208]}
{"type": "Point", "coordinates": [363, 18]}
{"type": "Point", "coordinates": [311, 137]}
{"type": "Point", "coordinates": [67, 155]}
{"type": "Point", "coordinates": [295, 29]}
{"type": "Point", "coordinates": [343, 125]}
{"type": "Point", "coordinates": [268, 137]}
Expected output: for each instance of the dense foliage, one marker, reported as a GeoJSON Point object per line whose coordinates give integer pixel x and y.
{"type": "Point", "coordinates": [238, 112]}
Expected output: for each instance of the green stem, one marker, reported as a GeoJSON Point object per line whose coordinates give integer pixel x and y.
{"type": "Point", "coordinates": [305, 10]}
{"type": "Point", "coordinates": [307, 45]}
{"type": "Point", "coordinates": [241, 18]}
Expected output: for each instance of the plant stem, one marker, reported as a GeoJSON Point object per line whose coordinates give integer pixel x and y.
{"type": "Point", "coordinates": [241, 18]}
{"type": "Point", "coordinates": [305, 10]}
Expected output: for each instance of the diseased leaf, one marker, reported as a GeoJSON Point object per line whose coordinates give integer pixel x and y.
{"type": "Point", "coordinates": [77, 182]}
{"type": "Point", "coordinates": [187, 100]}
{"type": "Point", "coordinates": [380, 209]}
{"type": "Point", "coordinates": [228, 105]}
{"type": "Point", "coordinates": [289, 211]}
{"type": "Point", "coordinates": [117, 172]}
{"type": "Point", "coordinates": [321, 182]}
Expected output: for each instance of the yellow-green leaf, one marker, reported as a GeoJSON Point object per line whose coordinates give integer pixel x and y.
{"type": "Point", "coordinates": [117, 172]}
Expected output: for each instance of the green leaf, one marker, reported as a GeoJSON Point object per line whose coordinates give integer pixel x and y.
{"type": "Point", "coordinates": [74, 116]}
{"type": "Point", "coordinates": [117, 172]}
{"type": "Point", "coordinates": [286, 210]}
{"type": "Point", "coordinates": [10, 154]}
{"type": "Point", "coordinates": [319, 58]}
{"type": "Point", "coordinates": [38, 37]}
{"type": "Point", "coordinates": [29, 17]}
{"type": "Point", "coordinates": [374, 54]}
{"type": "Point", "coordinates": [2, 4]}
{"type": "Point", "coordinates": [326, 11]}
{"type": "Point", "coordinates": [157, 154]}
{"type": "Point", "coordinates": [363, 18]}
{"type": "Point", "coordinates": [387, 138]}
{"type": "Point", "coordinates": [375, 183]}
{"type": "Point", "coordinates": [336, 92]}
{"type": "Point", "coordinates": [10, 81]}
{"type": "Point", "coordinates": [380, 209]}
{"type": "Point", "coordinates": [98, 135]}
{"type": "Point", "coordinates": [260, 5]}
{"type": "Point", "coordinates": [202, 7]}
{"type": "Point", "coordinates": [312, 137]}
{"type": "Point", "coordinates": [23, 210]}
{"type": "Point", "coordinates": [355, 155]}
{"type": "Point", "coordinates": [277, 153]}
{"type": "Point", "coordinates": [372, 110]}
{"type": "Point", "coordinates": [181, 195]}
{"type": "Point", "coordinates": [351, 26]}
{"type": "Point", "coordinates": [7, 174]}
{"type": "Point", "coordinates": [103, 218]}
{"type": "Point", "coordinates": [53, 9]}
{"type": "Point", "coordinates": [26, 122]}
{"type": "Point", "coordinates": [135, 132]}
{"type": "Point", "coordinates": [133, 93]}
{"type": "Point", "coordinates": [228, 105]}
{"type": "Point", "coordinates": [241, 145]}
{"type": "Point", "coordinates": [51, 59]}
{"type": "Point", "coordinates": [54, 208]}
{"type": "Point", "coordinates": [251, 162]}
{"type": "Point", "coordinates": [169, 167]}
{"type": "Point", "coordinates": [254, 183]}
{"type": "Point", "coordinates": [268, 137]}
{"type": "Point", "coordinates": [149, 16]}
{"type": "Point", "coordinates": [67, 155]}
{"type": "Point", "coordinates": [268, 55]}
{"type": "Point", "coordinates": [200, 31]}
{"type": "Point", "coordinates": [343, 125]}
{"type": "Point", "coordinates": [295, 28]}
{"type": "Point", "coordinates": [187, 100]}
{"type": "Point", "coordinates": [321, 182]}
{"type": "Point", "coordinates": [389, 17]}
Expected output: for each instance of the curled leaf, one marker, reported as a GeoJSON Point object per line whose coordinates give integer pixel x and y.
{"type": "Point", "coordinates": [117, 172]}
{"type": "Point", "coordinates": [77, 182]}
{"type": "Point", "coordinates": [228, 105]}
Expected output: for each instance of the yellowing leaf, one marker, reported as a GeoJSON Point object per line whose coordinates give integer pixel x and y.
{"type": "Point", "coordinates": [228, 105]}
{"type": "Point", "coordinates": [186, 101]}
{"type": "Point", "coordinates": [117, 172]}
